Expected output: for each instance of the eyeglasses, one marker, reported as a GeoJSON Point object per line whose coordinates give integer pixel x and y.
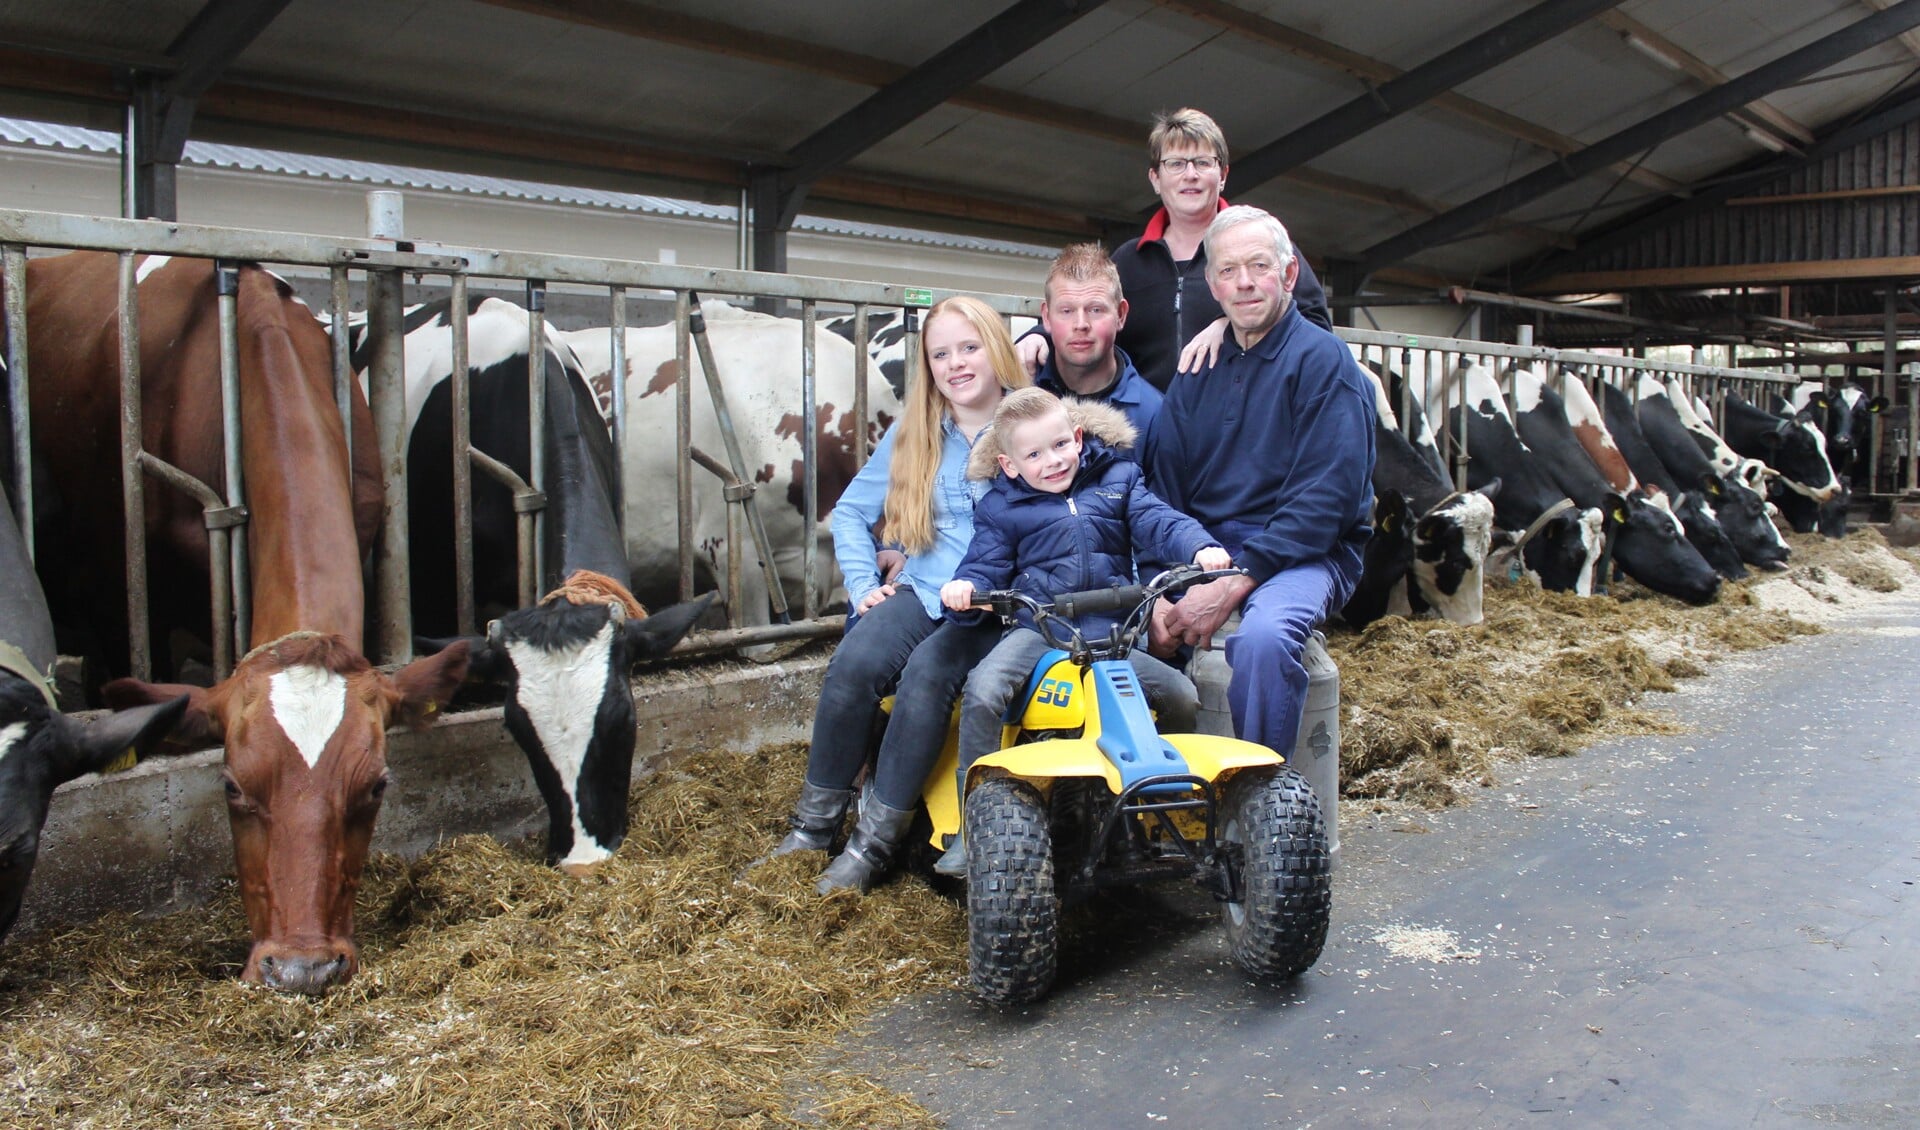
{"type": "Point", "coordinates": [1257, 269]}
{"type": "Point", "coordinates": [1178, 165]}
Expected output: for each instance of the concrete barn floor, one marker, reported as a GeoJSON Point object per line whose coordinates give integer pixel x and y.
{"type": "Point", "coordinates": [1714, 929]}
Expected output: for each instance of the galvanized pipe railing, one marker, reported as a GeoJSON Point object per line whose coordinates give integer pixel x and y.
{"type": "Point", "coordinates": [466, 619]}
{"type": "Point", "coordinates": [537, 421]}
{"type": "Point", "coordinates": [240, 618]}
{"type": "Point", "coordinates": [133, 493]}
{"type": "Point", "coordinates": [13, 265]}
{"type": "Point", "coordinates": [736, 462]}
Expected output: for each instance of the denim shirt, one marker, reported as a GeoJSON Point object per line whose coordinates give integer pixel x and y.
{"type": "Point", "coordinates": [864, 502]}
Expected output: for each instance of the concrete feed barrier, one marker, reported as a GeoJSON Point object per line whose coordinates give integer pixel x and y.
{"type": "Point", "coordinates": [155, 838]}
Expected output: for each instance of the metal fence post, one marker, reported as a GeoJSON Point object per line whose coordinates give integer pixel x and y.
{"type": "Point", "coordinates": [387, 390]}
{"type": "Point", "coordinates": [13, 259]}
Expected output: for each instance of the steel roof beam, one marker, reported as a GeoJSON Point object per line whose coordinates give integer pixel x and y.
{"type": "Point", "coordinates": [966, 61]}
{"type": "Point", "coordinates": [1374, 72]}
{"type": "Point", "coordinates": [1757, 115]}
{"type": "Point", "coordinates": [1732, 188]}
{"type": "Point", "coordinates": [1389, 100]}
{"type": "Point", "coordinates": [163, 103]}
{"type": "Point", "coordinates": [1909, 39]}
{"type": "Point", "coordinates": [1816, 56]}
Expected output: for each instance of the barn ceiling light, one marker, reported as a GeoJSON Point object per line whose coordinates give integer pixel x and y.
{"type": "Point", "coordinates": [1654, 51]}
{"type": "Point", "coordinates": [1765, 140]}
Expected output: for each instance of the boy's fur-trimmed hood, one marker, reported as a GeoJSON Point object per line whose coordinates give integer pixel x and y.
{"type": "Point", "coordinates": [1096, 418]}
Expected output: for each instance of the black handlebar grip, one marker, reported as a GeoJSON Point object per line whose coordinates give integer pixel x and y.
{"type": "Point", "coordinates": [1098, 600]}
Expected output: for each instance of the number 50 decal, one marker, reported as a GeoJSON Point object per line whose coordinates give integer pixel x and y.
{"type": "Point", "coordinates": [1054, 692]}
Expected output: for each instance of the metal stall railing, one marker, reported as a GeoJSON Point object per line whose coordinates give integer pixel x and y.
{"type": "Point", "coordinates": [382, 264]}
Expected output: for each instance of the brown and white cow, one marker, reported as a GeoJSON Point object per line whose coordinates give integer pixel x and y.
{"type": "Point", "coordinates": [303, 716]}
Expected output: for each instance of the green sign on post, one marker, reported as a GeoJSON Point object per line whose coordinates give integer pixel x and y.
{"type": "Point", "coordinates": [919, 296]}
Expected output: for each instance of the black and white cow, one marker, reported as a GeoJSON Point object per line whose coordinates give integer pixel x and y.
{"type": "Point", "coordinates": [1694, 506]}
{"type": "Point", "coordinates": [759, 360]}
{"type": "Point", "coordinates": [1559, 542]}
{"type": "Point", "coordinates": [565, 662]}
{"type": "Point", "coordinates": [1647, 541]}
{"type": "Point", "coordinates": [1423, 529]}
{"type": "Point", "coordinates": [41, 748]}
{"type": "Point", "coordinates": [1793, 448]}
{"type": "Point", "coordinates": [1673, 432]}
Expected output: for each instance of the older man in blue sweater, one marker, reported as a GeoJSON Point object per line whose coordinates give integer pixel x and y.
{"type": "Point", "coordinates": [1271, 449]}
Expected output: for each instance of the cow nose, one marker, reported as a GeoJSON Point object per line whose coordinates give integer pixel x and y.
{"type": "Point", "coordinates": [302, 974]}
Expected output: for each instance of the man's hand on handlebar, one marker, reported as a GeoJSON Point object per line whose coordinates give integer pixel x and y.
{"type": "Point", "coordinates": [1194, 620]}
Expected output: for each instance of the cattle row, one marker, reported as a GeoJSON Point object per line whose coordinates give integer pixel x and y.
{"type": "Point", "coordinates": [303, 715]}
{"type": "Point", "coordinates": [1566, 489]}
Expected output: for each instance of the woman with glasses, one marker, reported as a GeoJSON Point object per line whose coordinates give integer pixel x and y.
{"type": "Point", "coordinates": [1163, 272]}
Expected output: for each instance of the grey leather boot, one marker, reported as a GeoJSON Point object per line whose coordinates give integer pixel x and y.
{"type": "Point", "coordinates": [875, 838]}
{"type": "Point", "coordinates": [816, 819]}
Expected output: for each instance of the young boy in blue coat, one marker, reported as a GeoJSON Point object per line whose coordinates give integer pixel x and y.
{"type": "Point", "coordinates": [1069, 514]}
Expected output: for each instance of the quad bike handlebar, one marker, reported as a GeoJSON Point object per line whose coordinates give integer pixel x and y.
{"type": "Point", "coordinates": [1053, 619]}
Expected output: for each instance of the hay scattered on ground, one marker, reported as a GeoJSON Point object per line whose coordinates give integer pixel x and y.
{"type": "Point", "coordinates": [1430, 708]}
{"type": "Point", "coordinates": [495, 991]}
{"type": "Point", "coordinates": [668, 990]}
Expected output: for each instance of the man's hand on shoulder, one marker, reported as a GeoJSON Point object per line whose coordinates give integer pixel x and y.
{"type": "Point", "coordinates": [1033, 352]}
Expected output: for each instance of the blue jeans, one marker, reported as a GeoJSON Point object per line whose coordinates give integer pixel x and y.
{"type": "Point", "coordinates": [894, 642]}
{"type": "Point", "coordinates": [1006, 671]}
{"type": "Point", "coordinates": [1268, 691]}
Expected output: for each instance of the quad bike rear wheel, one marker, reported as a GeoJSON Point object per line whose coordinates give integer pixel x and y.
{"type": "Point", "coordinates": [1273, 825]}
{"type": "Point", "coordinates": [1013, 915]}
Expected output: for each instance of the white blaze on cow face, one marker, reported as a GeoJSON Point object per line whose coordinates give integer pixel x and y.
{"type": "Point", "coordinates": [309, 703]}
{"type": "Point", "coordinates": [10, 736]}
{"type": "Point", "coordinates": [561, 691]}
{"type": "Point", "coordinates": [1593, 538]}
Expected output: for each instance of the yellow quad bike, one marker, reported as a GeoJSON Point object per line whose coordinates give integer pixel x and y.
{"type": "Point", "coordinates": [1086, 793]}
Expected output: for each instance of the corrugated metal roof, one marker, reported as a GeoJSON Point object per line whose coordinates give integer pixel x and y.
{"type": "Point", "coordinates": [21, 131]}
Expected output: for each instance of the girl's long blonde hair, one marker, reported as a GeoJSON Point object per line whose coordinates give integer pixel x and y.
{"type": "Point", "coordinates": [916, 446]}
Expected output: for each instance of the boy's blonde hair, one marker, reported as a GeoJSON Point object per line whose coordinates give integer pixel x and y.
{"type": "Point", "coordinates": [1019, 407]}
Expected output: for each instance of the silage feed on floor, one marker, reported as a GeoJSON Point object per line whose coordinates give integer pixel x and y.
{"type": "Point", "coordinates": [676, 988]}
{"type": "Point", "coordinates": [670, 989]}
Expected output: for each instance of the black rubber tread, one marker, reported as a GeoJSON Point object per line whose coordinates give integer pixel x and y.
{"type": "Point", "coordinates": [1286, 876]}
{"type": "Point", "coordinates": [1013, 916]}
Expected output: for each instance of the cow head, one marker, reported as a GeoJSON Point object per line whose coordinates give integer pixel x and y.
{"type": "Point", "coordinates": [565, 664]}
{"type": "Point", "coordinates": [1702, 526]}
{"type": "Point", "coordinates": [1744, 516]}
{"type": "Point", "coordinates": [1384, 562]}
{"type": "Point", "coordinates": [1798, 451]}
{"type": "Point", "coordinates": [1649, 546]}
{"type": "Point", "coordinates": [42, 749]}
{"type": "Point", "coordinates": [1565, 549]}
{"type": "Point", "coordinates": [304, 722]}
{"type": "Point", "coordinates": [1451, 543]}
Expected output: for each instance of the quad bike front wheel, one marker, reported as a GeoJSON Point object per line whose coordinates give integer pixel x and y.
{"type": "Point", "coordinates": [1013, 915]}
{"type": "Point", "coordinates": [1273, 828]}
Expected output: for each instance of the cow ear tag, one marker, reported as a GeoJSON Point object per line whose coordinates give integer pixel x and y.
{"type": "Point", "coordinates": [1620, 514]}
{"type": "Point", "coordinates": [496, 638]}
{"type": "Point", "coordinates": [128, 758]}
